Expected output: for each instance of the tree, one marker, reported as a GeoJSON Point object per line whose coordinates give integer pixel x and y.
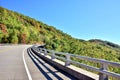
{"type": "Point", "coordinates": [14, 39]}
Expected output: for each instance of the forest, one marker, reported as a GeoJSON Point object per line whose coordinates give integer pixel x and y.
{"type": "Point", "coordinates": [16, 28]}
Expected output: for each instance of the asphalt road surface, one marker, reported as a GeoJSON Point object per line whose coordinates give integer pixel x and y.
{"type": "Point", "coordinates": [17, 63]}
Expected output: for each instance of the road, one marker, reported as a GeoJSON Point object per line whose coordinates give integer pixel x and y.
{"type": "Point", "coordinates": [11, 63]}
{"type": "Point", "coordinates": [17, 63]}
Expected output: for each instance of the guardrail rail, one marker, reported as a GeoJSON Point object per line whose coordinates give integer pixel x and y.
{"type": "Point", "coordinates": [103, 72]}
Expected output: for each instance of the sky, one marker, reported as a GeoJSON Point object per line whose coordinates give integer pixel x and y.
{"type": "Point", "coordinates": [82, 19]}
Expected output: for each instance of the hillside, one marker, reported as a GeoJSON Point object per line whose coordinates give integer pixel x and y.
{"type": "Point", "coordinates": [17, 28]}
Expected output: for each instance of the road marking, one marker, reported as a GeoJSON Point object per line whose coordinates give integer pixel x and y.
{"type": "Point", "coordinates": [26, 68]}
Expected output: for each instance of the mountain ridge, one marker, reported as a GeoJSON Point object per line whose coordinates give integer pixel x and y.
{"type": "Point", "coordinates": [105, 43]}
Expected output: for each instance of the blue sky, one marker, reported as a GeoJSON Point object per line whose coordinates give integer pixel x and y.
{"type": "Point", "coordinates": [83, 19]}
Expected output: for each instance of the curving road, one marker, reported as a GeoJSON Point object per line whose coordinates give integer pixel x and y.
{"type": "Point", "coordinates": [11, 63]}
{"type": "Point", "coordinates": [18, 63]}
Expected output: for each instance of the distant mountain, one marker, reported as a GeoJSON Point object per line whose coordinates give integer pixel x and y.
{"type": "Point", "coordinates": [105, 43]}
{"type": "Point", "coordinates": [17, 28]}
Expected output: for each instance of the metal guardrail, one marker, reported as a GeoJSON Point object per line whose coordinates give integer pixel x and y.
{"type": "Point", "coordinates": [103, 72]}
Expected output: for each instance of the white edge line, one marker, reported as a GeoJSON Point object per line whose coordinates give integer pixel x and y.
{"type": "Point", "coordinates": [26, 67]}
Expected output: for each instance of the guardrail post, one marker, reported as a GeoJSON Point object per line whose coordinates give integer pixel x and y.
{"type": "Point", "coordinates": [40, 50]}
{"type": "Point", "coordinates": [53, 55]}
{"type": "Point", "coordinates": [67, 63]}
{"type": "Point", "coordinates": [45, 52]}
{"type": "Point", "coordinates": [101, 75]}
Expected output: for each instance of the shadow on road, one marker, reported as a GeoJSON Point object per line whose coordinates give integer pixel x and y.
{"type": "Point", "coordinates": [34, 58]}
